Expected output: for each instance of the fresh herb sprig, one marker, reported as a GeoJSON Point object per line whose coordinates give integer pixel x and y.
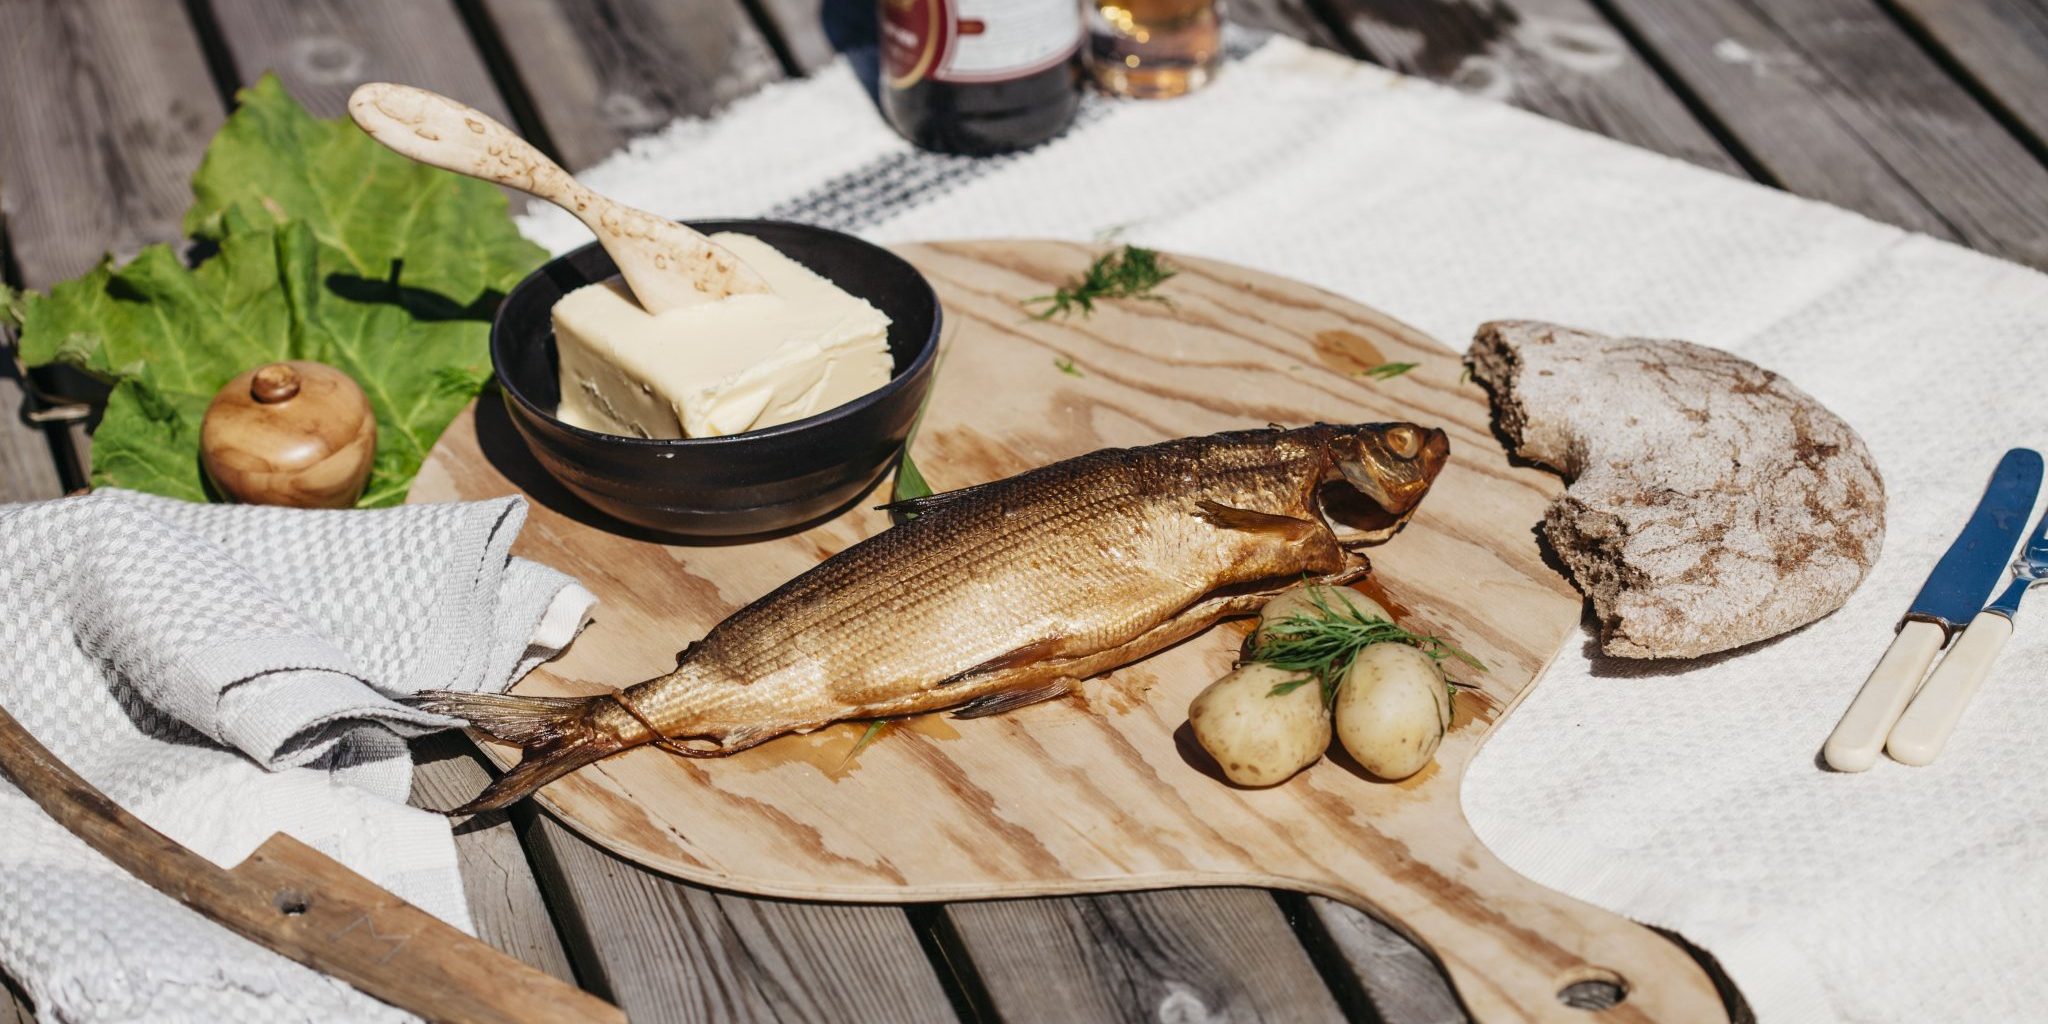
{"type": "Point", "coordinates": [1131, 272]}
{"type": "Point", "coordinates": [1322, 644]}
{"type": "Point", "coordinates": [1389, 371]}
{"type": "Point", "coordinates": [867, 736]}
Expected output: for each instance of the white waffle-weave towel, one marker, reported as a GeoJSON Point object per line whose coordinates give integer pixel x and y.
{"type": "Point", "coordinates": [1682, 795]}
{"type": "Point", "coordinates": [226, 672]}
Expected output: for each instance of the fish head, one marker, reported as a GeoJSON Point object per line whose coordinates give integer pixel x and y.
{"type": "Point", "coordinates": [1391, 466]}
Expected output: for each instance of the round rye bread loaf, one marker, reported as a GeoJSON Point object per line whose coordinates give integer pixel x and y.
{"type": "Point", "coordinates": [1711, 503]}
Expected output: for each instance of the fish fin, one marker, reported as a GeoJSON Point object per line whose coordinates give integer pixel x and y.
{"type": "Point", "coordinates": [554, 734]}
{"type": "Point", "coordinates": [1009, 700]}
{"type": "Point", "coordinates": [1029, 654]}
{"type": "Point", "coordinates": [921, 505]}
{"type": "Point", "coordinates": [1251, 521]}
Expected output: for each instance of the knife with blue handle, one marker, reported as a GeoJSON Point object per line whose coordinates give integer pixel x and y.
{"type": "Point", "coordinates": [1953, 593]}
{"type": "Point", "coordinates": [1924, 729]}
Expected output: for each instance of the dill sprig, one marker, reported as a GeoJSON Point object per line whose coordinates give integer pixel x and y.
{"type": "Point", "coordinates": [1322, 644]}
{"type": "Point", "coordinates": [1127, 273]}
{"type": "Point", "coordinates": [1066, 366]}
{"type": "Point", "coordinates": [1388, 371]}
{"type": "Point", "coordinates": [867, 736]}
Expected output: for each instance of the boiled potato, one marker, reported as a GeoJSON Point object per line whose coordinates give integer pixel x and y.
{"type": "Point", "coordinates": [1260, 739]}
{"type": "Point", "coordinates": [1302, 601]}
{"type": "Point", "coordinates": [1392, 709]}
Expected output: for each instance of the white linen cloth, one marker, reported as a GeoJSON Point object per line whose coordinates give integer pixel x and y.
{"type": "Point", "coordinates": [1680, 794]}
{"type": "Point", "coordinates": [224, 673]}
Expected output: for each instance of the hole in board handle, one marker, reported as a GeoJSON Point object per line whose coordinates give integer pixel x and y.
{"type": "Point", "coordinates": [290, 903]}
{"type": "Point", "coordinates": [1593, 988]}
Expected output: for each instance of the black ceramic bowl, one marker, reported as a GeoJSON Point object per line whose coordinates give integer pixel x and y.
{"type": "Point", "coordinates": [755, 482]}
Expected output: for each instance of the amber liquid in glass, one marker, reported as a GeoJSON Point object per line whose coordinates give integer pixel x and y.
{"type": "Point", "coordinates": [1152, 49]}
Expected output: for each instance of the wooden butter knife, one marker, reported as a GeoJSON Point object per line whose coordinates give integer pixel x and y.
{"type": "Point", "coordinates": [296, 901]}
{"type": "Point", "coordinates": [667, 265]}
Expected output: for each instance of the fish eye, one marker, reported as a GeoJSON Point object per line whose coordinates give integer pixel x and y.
{"type": "Point", "coordinates": [1404, 441]}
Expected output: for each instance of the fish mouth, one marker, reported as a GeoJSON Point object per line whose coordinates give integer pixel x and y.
{"type": "Point", "coordinates": [1378, 476]}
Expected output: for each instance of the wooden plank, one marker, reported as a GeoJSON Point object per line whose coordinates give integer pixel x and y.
{"type": "Point", "coordinates": [122, 107]}
{"type": "Point", "coordinates": [598, 74]}
{"type": "Point", "coordinates": [28, 468]}
{"type": "Point", "coordinates": [2001, 45]}
{"type": "Point", "coordinates": [504, 899]}
{"type": "Point", "coordinates": [322, 49]}
{"type": "Point", "coordinates": [1398, 981]}
{"type": "Point", "coordinates": [1052, 798]}
{"type": "Point", "coordinates": [14, 1005]}
{"type": "Point", "coordinates": [1290, 18]}
{"type": "Point", "coordinates": [602, 71]}
{"type": "Point", "coordinates": [1831, 99]}
{"type": "Point", "coordinates": [1558, 58]}
{"type": "Point", "coordinates": [1172, 955]}
{"type": "Point", "coordinates": [807, 29]}
{"type": "Point", "coordinates": [665, 951]}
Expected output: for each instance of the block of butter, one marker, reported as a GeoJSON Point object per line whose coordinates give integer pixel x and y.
{"type": "Point", "coordinates": [740, 363]}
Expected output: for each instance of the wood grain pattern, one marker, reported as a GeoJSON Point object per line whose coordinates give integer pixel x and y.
{"type": "Point", "coordinates": [1833, 101]}
{"type": "Point", "coordinates": [1397, 984]}
{"type": "Point", "coordinates": [665, 951]}
{"type": "Point", "coordinates": [2002, 45]}
{"type": "Point", "coordinates": [668, 266]}
{"type": "Point", "coordinates": [322, 49]}
{"type": "Point", "coordinates": [1061, 799]}
{"type": "Point", "coordinates": [28, 468]}
{"type": "Point", "coordinates": [123, 106]}
{"type": "Point", "coordinates": [14, 1005]}
{"type": "Point", "coordinates": [304, 905]}
{"type": "Point", "coordinates": [297, 432]}
{"type": "Point", "coordinates": [603, 71]}
{"type": "Point", "coordinates": [801, 29]}
{"type": "Point", "coordinates": [1558, 58]}
{"type": "Point", "coordinates": [504, 899]}
{"type": "Point", "coordinates": [1296, 18]}
{"type": "Point", "coordinates": [1190, 954]}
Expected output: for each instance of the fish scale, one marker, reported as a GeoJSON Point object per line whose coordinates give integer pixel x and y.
{"type": "Point", "coordinates": [994, 596]}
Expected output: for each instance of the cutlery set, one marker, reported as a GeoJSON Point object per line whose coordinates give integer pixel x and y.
{"type": "Point", "coordinates": [1896, 712]}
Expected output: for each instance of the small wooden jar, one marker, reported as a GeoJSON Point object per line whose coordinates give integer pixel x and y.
{"type": "Point", "coordinates": [296, 433]}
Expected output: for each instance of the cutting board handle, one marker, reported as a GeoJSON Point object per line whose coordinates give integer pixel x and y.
{"type": "Point", "coordinates": [1516, 951]}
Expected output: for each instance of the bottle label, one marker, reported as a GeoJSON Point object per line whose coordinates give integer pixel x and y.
{"type": "Point", "coordinates": [976, 40]}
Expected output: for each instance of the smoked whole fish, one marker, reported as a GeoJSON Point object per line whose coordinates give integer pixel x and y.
{"type": "Point", "coordinates": [998, 596]}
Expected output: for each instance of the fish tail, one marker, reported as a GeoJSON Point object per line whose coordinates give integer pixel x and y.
{"type": "Point", "coordinates": [556, 736]}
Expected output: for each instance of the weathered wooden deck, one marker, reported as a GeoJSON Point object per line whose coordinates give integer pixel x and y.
{"type": "Point", "coordinates": [1930, 114]}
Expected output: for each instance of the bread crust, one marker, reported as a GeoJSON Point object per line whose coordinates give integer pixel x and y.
{"type": "Point", "coordinates": [1711, 503]}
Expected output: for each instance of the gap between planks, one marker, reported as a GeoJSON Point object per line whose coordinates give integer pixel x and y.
{"type": "Point", "coordinates": [599, 73]}
{"type": "Point", "coordinates": [667, 951]}
{"type": "Point", "coordinates": [1997, 47]}
{"type": "Point", "coordinates": [1834, 101]}
{"type": "Point", "coordinates": [541, 57]}
{"type": "Point", "coordinates": [504, 5]}
{"type": "Point", "coordinates": [1562, 59]}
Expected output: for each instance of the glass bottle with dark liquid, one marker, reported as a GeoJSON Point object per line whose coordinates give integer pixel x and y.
{"type": "Point", "coordinates": [980, 76]}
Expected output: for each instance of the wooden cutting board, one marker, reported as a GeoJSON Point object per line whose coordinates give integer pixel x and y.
{"type": "Point", "coordinates": [1106, 790]}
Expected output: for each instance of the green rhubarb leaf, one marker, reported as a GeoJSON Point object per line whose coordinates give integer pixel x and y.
{"type": "Point", "coordinates": [328, 247]}
{"type": "Point", "coordinates": [440, 232]}
{"type": "Point", "coordinates": [10, 307]}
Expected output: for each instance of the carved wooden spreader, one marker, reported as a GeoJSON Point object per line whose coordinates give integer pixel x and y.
{"type": "Point", "coordinates": [1106, 790]}
{"type": "Point", "coordinates": [294, 900]}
